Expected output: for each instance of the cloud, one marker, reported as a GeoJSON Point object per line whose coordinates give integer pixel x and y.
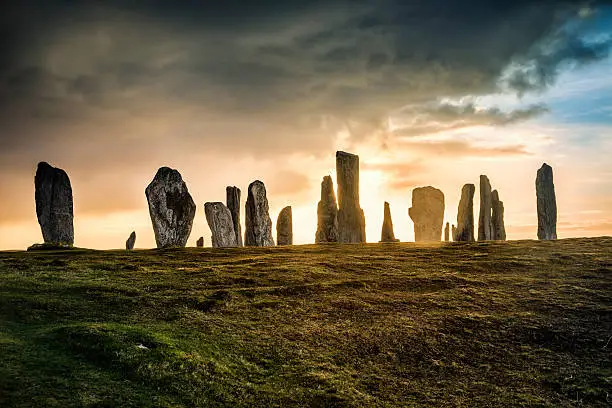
{"type": "Point", "coordinates": [462, 148]}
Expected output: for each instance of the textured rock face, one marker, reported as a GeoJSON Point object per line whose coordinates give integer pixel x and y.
{"type": "Point", "coordinates": [233, 203]}
{"type": "Point", "coordinates": [284, 227]}
{"type": "Point", "coordinates": [387, 235]}
{"type": "Point", "coordinates": [129, 244]}
{"type": "Point", "coordinates": [485, 224]}
{"type": "Point", "coordinates": [200, 242]}
{"type": "Point", "coordinates": [171, 208]}
{"type": "Point", "coordinates": [258, 223]}
{"type": "Point", "coordinates": [547, 203]}
{"type": "Point", "coordinates": [327, 213]}
{"type": "Point", "coordinates": [447, 232]}
{"type": "Point", "coordinates": [54, 207]}
{"type": "Point", "coordinates": [221, 225]}
{"type": "Point", "coordinates": [497, 217]}
{"type": "Point", "coordinates": [427, 213]}
{"type": "Point", "coordinates": [351, 220]}
{"type": "Point", "coordinates": [465, 215]}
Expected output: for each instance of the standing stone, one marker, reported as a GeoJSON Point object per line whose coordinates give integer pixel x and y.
{"type": "Point", "coordinates": [233, 203]}
{"type": "Point", "coordinates": [465, 215]}
{"type": "Point", "coordinates": [129, 244]}
{"type": "Point", "coordinates": [351, 220]}
{"type": "Point", "coordinates": [499, 230]}
{"type": "Point", "coordinates": [221, 225]}
{"type": "Point", "coordinates": [427, 213]}
{"type": "Point", "coordinates": [485, 224]}
{"type": "Point", "coordinates": [547, 203]}
{"type": "Point", "coordinates": [54, 208]}
{"type": "Point", "coordinates": [447, 232]}
{"type": "Point", "coordinates": [387, 235]}
{"type": "Point", "coordinates": [284, 227]}
{"type": "Point", "coordinates": [171, 208]}
{"type": "Point", "coordinates": [327, 213]}
{"type": "Point", "coordinates": [258, 223]}
{"type": "Point", "coordinates": [200, 242]}
{"type": "Point", "coordinates": [454, 232]}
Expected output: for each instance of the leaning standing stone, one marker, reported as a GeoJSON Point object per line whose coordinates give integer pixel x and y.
{"type": "Point", "coordinates": [485, 224]}
{"type": "Point", "coordinates": [284, 227]}
{"type": "Point", "coordinates": [54, 208]}
{"type": "Point", "coordinates": [427, 213]}
{"type": "Point", "coordinates": [465, 215]}
{"type": "Point", "coordinates": [386, 234]}
{"type": "Point", "coordinates": [171, 208]}
{"type": "Point", "coordinates": [258, 224]}
{"type": "Point", "coordinates": [129, 244]}
{"type": "Point", "coordinates": [221, 226]}
{"type": "Point", "coordinates": [499, 229]}
{"type": "Point", "coordinates": [351, 220]}
{"type": "Point", "coordinates": [327, 213]}
{"type": "Point", "coordinates": [547, 203]}
{"type": "Point", "coordinates": [233, 203]}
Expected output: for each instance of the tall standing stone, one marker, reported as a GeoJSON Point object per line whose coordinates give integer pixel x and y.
{"type": "Point", "coordinates": [327, 213]}
{"type": "Point", "coordinates": [465, 215]}
{"type": "Point", "coordinates": [454, 232]}
{"type": "Point", "coordinates": [258, 223]}
{"type": "Point", "coordinates": [387, 235]}
{"type": "Point", "coordinates": [447, 232]}
{"type": "Point", "coordinates": [54, 208]}
{"type": "Point", "coordinates": [547, 203]}
{"type": "Point", "coordinates": [351, 220]}
{"type": "Point", "coordinates": [485, 224]}
{"type": "Point", "coordinates": [129, 244]}
{"type": "Point", "coordinates": [284, 227]}
{"type": "Point", "coordinates": [427, 213]}
{"type": "Point", "coordinates": [219, 219]}
{"type": "Point", "coordinates": [499, 229]}
{"type": "Point", "coordinates": [233, 203]}
{"type": "Point", "coordinates": [200, 242]}
{"type": "Point", "coordinates": [171, 208]}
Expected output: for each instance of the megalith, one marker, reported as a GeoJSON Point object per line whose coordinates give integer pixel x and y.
{"type": "Point", "coordinates": [427, 213]}
{"type": "Point", "coordinates": [497, 217]}
{"type": "Point", "coordinates": [129, 244]}
{"type": "Point", "coordinates": [219, 219]}
{"type": "Point", "coordinates": [284, 227]}
{"type": "Point", "coordinates": [447, 232]}
{"type": "Point", "coordinates": [387, 235]}
{"type": "Point", "coordinates": [465, 215]}
{"type": "Point", "coordinates": [485, 224]}
{"type": "Point", "coordinates": [54, 207]}
{"type": "Point", "coordinates": [233, 204]}
{"type": "Point", "coordinates": [547, 203]}
{"type": "Point", "coordinates": [327, 213]}
{"type": "Point", "coordinates": [258, 224]}
{"type": "Point", "coordinates": [200, 242]}
{"type": "Point", "coordinates": [171, 208]}
{"type": "Point", "coordinates": [351, 220]}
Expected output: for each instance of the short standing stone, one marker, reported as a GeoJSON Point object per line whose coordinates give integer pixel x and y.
{"type": "Point", "coordinates": [233, 203]}
{"type": "Point", "coordinates": [129, 244]}
{"type": "Point", "coordinates": [427, 213]}
{"type": "Point", "coordinates": [386, 234]}
{"type": "Point", "coordinates": [454, 232]}
{"type": "Point", "coordinates": [258, 224]}
{"type": "Point", "coordinates": [547, 203]}
{"type": "Point", "coordinates": [171, 208]}
{"type": "Point", "coordinates": [497, 218]}
{"type": "Point", "coordinates": [54, 208]}
{"type": "Point", "coordinates": [447, 232]}
{"type": "Point", "coordinates": [327, 213]}
{"type": "Point", "coordinates": [351, 220]}
{"type": "Point", "coordinates": [221, 225]}
{"type": "Point", "coordinates": [485, 224]}
{"type": "Point", "coordinates": [465, 215]}
{"type": "Point", "coordinates": [284, 227]}
{"type": "Point", "coordinates": [200, 242]}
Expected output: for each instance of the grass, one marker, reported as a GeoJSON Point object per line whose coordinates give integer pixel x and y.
{"type": "Point", "coordinates": [521, 323]}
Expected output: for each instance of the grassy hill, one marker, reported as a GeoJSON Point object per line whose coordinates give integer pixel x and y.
{"type": "Point", "coordinates": [521, 323]}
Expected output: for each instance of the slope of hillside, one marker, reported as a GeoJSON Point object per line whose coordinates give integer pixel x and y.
{"type": "Point", "coordinates": [522, 323]}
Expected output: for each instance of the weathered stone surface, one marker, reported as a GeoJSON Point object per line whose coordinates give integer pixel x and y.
{"type": "Point", "coordinates": [54, 208]}
{"type": "Point", "coordinates": [485, 224]}
{"type": "Point", "coordinates": [351, 220]}
{"type": "Point", "coordinates": [233, 203]}
{"type": "Point", "coordinates": [327, 213]}
{"type": "Point", "coordinates": [547, 203]}
{"type": "Point", "coordinates": [453, 232]}
{"type": "Point", "coordinates": [258, 223]}
{"type": "Point", "coordinates": [497, 217]}
{"type": "Point", "coordinates": [427, 213]}
{"type": "Point", "coordinates": [465, 215]}
{"type": "Point", "coordinates": [284, 227]}
{"type": "Point", "coordinates": [171, 208]}
{"type": "Point", "coordinates": [219, 219]}
{"type": "Point", "coordinates": [129, 244]}
{"type": "Point", "coordinates": [200, 242]}
{"type": "Point", "coordinates": [386, 234]}
{"type": "Point", "coordinates": [447, 232]}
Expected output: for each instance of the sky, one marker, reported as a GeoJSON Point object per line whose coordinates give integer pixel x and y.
{"type": "Point", "coordinates": [431, 92]}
